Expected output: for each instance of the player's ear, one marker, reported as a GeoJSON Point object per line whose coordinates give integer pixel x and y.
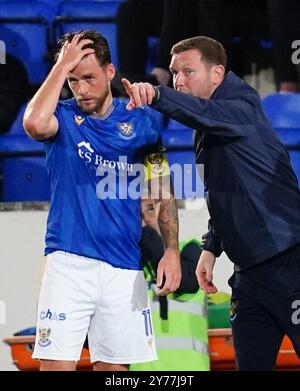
{"type": "Point", "coordinates": [110, 71]}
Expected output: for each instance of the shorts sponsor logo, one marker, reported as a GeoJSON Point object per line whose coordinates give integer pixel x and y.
{"type": "Point", "coordinates": [52, 315]}
{"type": "Point", "coordinates": [44, 337]}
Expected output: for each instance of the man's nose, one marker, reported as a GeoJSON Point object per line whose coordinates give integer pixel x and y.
{"type": "Point", "coordinates": [82, 87]}
{"type": "Point", "coordinates": [178, 80]}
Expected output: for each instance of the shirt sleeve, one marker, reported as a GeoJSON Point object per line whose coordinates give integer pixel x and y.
{"type": "Point", "coordinates": [57, 114]}
{"type": "Point", "coordinates": [210, 241]}
{"type": "Point", "coordinates": [228, 118]}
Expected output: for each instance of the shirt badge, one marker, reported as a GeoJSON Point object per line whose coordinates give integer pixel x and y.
{"type": "Point", "coordinates": [79, 119]}
{"type": "Point", "coordinates": [126, 129]}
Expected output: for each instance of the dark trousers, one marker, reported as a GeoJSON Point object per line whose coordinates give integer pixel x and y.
{"type": "Point", "coordinates": [265, 306]}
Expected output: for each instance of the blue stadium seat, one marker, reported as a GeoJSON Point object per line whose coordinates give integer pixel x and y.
{"type": "Point", "coordinates": [283, 111]}
{"type": "Point", "coordinates": [25, 29]}
{"type": "Point", "coordinates": [52, 3]}
{"type": "Point", "coordinates": [24, 176]}
{"type": "Point", "coordinates": [16, 141]}
{"type": "Point", "coordinates": [90, 15]}
{"type": "Point", "coordinates": [17, 126]}
{"type": "Point", "coordinates": [153, 43]}
{"type": "Point", "coordinates": [24, 179]}
{"type": "Point", "coordinates": [178, 134]}
{"type": "Point", "coordinates": [178, 140]}
{"type": "Point", "coordinates": [185, 175]}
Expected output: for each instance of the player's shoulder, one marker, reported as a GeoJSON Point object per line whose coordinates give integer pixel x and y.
{"type": "Point", "coordinates": [67, 105]}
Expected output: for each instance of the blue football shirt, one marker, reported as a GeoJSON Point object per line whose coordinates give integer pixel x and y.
{"type": "Point", "coordinates": [88, 159]}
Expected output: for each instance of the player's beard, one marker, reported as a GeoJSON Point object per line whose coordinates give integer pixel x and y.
{"type": "Point", "coordinates": [96, 107]}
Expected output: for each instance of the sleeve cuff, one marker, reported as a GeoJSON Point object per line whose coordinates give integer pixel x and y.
{"type": "Point", "coordinates": [157, 94]}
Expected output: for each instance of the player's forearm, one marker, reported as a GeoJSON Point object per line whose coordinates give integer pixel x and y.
{"type": "Point", "coordinates": [42, 106]}
{"type": "Point", "coordinates": [168, 222]}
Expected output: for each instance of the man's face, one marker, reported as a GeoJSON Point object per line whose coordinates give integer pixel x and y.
{"type": "Point", "coordinates": [89, 83]}
{"type": "Point", "coordinates": [191, 75]}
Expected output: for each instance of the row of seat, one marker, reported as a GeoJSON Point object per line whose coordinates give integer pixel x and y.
{"type": "Point", "coordinates": [23, 161]}
{"type": "Point", "coordinates": [30, 28]}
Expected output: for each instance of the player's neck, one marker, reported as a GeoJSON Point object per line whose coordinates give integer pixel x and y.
{"type": "Point", "coordinates": [105, 109]}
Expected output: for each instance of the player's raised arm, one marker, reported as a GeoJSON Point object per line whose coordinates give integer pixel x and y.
{"type": "Point", "coordinates": [39, 120]}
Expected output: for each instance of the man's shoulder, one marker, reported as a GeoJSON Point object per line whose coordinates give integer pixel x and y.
{"type": "Point", "coordinates": [66, 108]}
{"type": "Point", "coordinates": [67, 104]}
{"type": "Point", "coordinates": [233, 87]}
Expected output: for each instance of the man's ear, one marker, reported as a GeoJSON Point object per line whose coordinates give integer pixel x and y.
{"type": "Point", "coordinates": [110, 71]}
{"type": "Point", "coordinates": [218, 72]}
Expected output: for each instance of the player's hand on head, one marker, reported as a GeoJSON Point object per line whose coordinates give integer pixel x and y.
{"type": "Point", "coordinates": [140, 94]}
{"type": "Point", "coordinates": [73, 52]}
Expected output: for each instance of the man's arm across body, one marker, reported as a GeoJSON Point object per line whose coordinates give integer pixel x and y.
{"type": "Point", "coordinates": [229, 118]}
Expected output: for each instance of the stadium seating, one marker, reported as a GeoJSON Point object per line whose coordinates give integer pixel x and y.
{"type": "Point", "coordinates": [283, 111]}
{"type": "Point", "coordinates": [178, 140]}
{"type": "Point", "coordinates": [25, 29]}
{"type": "Point", "coordinates": [92, 15]}
{"type": "Point", "coordinates": [25, 179]}
{"type": "Point", "coordinates": [24, 176]}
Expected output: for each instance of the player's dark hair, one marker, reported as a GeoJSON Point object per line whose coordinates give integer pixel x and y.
{"type": "Point", "coordinates": [100, 44]}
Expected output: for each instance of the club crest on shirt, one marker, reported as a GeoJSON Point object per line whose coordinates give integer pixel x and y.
{"type": "Point", "coordinates": [44, 337]}
{"type": "Point", "coordinates": [79, 119]}
{"type": "Point", "coordinates": [126, 129]}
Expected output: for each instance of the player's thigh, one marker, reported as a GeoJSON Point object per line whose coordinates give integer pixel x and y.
{"type": "Point", "coordinates": [66, 304]}
{"type": "Point", "coordinates": [121, 331]}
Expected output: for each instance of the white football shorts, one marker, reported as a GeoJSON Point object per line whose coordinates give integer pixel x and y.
{"type": "Point", "coordinates": [81, 296]}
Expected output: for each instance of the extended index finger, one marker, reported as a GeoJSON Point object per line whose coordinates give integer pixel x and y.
{"type": "Point", "coordinates": [127, 85]}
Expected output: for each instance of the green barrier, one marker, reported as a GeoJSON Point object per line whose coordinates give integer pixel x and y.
{"type": "Point", "coordinates": [218, 315]}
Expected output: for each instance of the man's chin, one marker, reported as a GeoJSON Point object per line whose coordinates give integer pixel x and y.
{"type": "Point", "coordinates": [87, 109]}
